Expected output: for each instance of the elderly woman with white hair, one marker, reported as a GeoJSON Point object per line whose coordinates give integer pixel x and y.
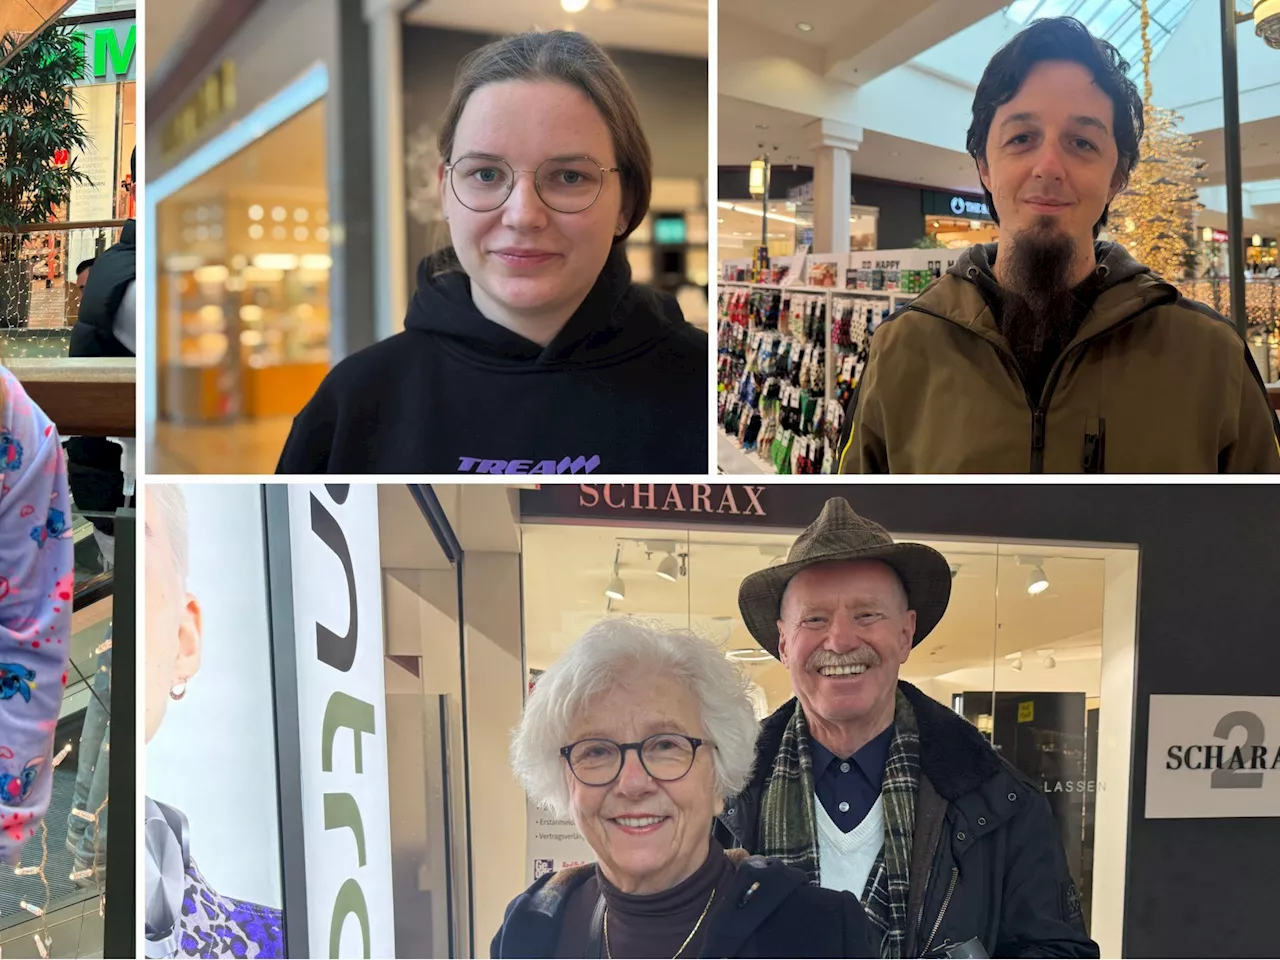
{"type": "Point", "coordinates": [638, 732]}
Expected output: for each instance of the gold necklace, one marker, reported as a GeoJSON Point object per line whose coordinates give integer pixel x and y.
{"type": "Point", "coordinates": [609, 953]}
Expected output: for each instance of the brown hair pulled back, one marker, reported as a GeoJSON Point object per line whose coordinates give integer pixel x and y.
{"type": "Point", "coordinates": [570, 58]}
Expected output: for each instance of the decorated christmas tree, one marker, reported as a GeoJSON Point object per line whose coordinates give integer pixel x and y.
{"type": "Point", "coordinates": [1155, 217]}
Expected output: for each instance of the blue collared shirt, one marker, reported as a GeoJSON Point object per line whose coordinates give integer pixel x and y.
{"type": "Point", "coordinates": [848, 787]}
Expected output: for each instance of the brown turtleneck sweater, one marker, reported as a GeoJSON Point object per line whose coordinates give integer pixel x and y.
{"type": "Point", "coordinates": [647, 925]}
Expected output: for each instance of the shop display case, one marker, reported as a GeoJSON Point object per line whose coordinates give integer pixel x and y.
{"type": "Point", "coordinates": [245, 314]}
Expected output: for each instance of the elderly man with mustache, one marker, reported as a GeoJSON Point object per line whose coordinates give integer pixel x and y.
{"type": "Point", "coordinates": [870, 786]}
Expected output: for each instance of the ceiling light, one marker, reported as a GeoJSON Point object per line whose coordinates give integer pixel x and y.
{"type": "Point", "coordinates": [1257, 239]}
{"type": "Point", "coordinates": [573, 6]}
{"type": "Point", "coordinates": [1266, 16]}
{"type": "Point", "coordinates": [1015, 660]}
{"type": "Point", "coordinates": [749, 655]}
{"type": "Point", "coordinates": [616, 590]}
{"type": "Point", "coordinates": [804, 27]}
{"type": "Point", "coordinates": [1049, 662]}
{"type": "Point", "coordinates": [1037, 582]}
{"type": "Point", "coordinates": [276, 261]}
{"type": "Point", "coordinates": [669, 568]}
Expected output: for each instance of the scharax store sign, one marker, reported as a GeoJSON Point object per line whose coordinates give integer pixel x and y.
{"type": "Point", "coordinates": [1213, 757]}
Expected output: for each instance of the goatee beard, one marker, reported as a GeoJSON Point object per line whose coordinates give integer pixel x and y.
{"type": "Point", "coordinates": [1036, 292]}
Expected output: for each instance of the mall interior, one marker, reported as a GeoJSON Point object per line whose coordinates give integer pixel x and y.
{"type": "Point", "coordinates": [1067, 614]}
{"type": "Point", "coordinates": [830, 115]}
{"type": "Point", "coordinates": [291, 179]}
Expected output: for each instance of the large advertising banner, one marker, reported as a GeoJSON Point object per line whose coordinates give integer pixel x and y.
{"type": "Point", "coordinates": [96, 107]}
{"type": "Point", "coordinates": [212, 824]}
{"type": "Point", "coordinates": [346, 819]}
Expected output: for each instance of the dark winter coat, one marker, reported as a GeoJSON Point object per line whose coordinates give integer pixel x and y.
{"type": "Point", "coordinates": [93, 463]}
{"type": "Point", "coordinates": [782, 917]}
{"type": "Point", "coordinates": [94, 332]}
{"type": "Point", "coordinates": [1152, 382]}
{"type": "Point", "coordinates": [987, 860]}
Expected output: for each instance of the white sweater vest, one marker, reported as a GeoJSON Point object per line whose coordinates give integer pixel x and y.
{"type": "Point", "coordinates": [845, 859]}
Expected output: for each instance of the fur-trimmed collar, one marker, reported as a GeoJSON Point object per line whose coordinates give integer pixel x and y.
{"type": "Point", "coordinates": [955, 757]}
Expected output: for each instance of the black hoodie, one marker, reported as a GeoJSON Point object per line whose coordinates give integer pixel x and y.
{"type": "Point", "coordinates": [623, 388]}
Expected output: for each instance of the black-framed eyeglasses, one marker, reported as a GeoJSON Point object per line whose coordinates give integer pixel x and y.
{"type": "Point", "coordinates": [565, 184]}
{"type": "Point", "coordinates": [664, 756]}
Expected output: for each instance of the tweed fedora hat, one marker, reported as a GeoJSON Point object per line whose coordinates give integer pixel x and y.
{"type": "Point", "coordinates": [840, 534]}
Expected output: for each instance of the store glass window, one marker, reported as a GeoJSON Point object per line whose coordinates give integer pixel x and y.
{"type": "Point", "coordinates": [1036, 650]}
{"type": "Point", "coordinates": [789, 226]}
{"type": "Point", "coordinates": [243, 297]}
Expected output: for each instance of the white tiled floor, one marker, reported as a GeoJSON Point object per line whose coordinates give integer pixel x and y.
{"type": "Point", "coordinates": [731, 458]}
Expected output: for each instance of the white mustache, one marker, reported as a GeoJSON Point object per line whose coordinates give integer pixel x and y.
{"type": "Point", "coordinates": [863, 656]}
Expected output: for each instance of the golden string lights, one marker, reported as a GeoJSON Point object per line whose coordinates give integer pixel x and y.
{"type": "Point", "coordinates": [1154, 218]}
{"type": "Point", "coordinates": [42, 938]}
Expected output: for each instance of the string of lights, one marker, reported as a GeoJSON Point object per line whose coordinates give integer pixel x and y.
{"type": "Point", "coordinates": [1155, 216]}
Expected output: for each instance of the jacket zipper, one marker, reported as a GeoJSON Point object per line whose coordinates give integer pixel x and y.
{"type": "Point", "coordinates": [928, 878]}
{"type": "Point", "coordinates": [946, 902]}
{"type": "Point", "coordinates": [1039, 413]}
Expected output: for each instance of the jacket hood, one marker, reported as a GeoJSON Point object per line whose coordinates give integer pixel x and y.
{"type": "Point", "coordinates": [1123, 286]}
{"type": "Point", "coordinates": [1115, 265]}
{"type": "Point", "coordinates": [617, 319]}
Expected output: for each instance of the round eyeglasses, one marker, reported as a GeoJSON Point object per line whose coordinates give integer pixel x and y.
{"type": "Point", "coordinates": [565, 184]}
{"type": "Point", "coordinates": [664, 756]}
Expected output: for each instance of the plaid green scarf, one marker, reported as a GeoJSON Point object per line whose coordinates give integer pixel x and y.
{"type": "Point", "coordinates": [789, 830]}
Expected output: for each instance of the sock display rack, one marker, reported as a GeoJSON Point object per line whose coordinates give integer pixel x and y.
{"type": "Point", "coordinates": [790, 354]}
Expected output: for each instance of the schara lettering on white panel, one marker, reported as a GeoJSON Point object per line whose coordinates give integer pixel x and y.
{"type": "Point", "coordinates": [1213, 757]}
{"type": "Point", "coordinates": [337, 608]}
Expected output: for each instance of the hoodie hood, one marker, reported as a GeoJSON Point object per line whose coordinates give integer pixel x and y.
{"type": "Point", "coordinates": [616, 320]}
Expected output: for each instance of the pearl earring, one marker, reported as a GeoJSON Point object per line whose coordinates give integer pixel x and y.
{"type": "Point", "coordinates": [178, 690]}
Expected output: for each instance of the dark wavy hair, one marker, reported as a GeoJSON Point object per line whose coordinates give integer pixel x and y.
{"type": "Point", "coordinates": [1058, 38]}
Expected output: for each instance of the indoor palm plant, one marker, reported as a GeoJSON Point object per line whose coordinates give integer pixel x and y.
{"type": "Point", "coordinates": [38, 120]}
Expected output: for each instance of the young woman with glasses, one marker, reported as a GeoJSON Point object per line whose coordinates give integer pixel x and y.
{"type": "Point", "coordinates": [527, 349]}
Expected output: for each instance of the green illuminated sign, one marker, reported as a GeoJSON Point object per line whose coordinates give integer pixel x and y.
{"type": "Point", "coordinates": [108, 50]}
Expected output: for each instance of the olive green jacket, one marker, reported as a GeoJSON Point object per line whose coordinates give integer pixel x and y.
{"type": "Point", "coordinates": [1151, 383]}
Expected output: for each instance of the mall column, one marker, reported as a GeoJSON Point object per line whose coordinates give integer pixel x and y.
{"type": "Point", "coordinates": [832, 143]}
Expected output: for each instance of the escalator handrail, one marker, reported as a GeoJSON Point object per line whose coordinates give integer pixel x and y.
{"type": "Point", "coordinates": [88, 592]}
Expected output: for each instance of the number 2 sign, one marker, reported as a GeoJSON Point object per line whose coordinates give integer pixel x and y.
{"type": "Point", "coordinates": [1213, 757]}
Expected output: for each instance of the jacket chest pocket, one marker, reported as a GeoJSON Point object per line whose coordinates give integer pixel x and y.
{"type": "Point", "coordinates": [1113, 414]}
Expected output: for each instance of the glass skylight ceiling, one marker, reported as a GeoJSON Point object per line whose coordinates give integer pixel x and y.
{"type": "Point", "coordinates": [1119, 22]}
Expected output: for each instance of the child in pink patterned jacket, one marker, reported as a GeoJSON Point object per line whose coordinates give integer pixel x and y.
{"type": "Point", "coordinates": [36, 586]}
